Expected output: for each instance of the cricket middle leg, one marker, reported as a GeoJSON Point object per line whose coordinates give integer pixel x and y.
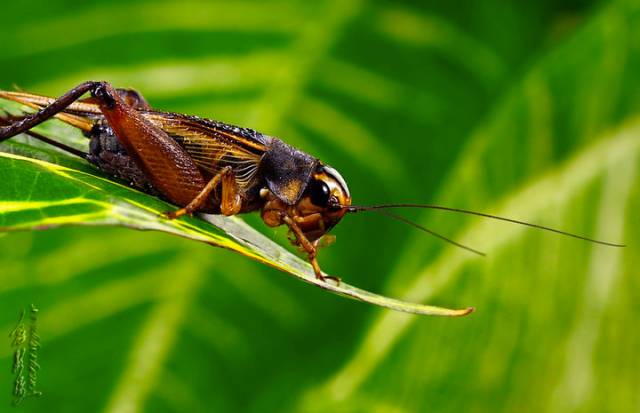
{"type": "Point", "coordinates": [230, 202]}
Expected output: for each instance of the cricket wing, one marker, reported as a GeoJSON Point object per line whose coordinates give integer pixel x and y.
{"type": "Point", "coordinates": [213, 145]}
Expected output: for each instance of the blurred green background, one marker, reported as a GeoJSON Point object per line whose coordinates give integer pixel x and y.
{"type": "Point", "coordinates": [526, 109]}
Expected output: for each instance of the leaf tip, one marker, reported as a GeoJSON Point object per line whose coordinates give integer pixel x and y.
{"type": "Point", "coordinates": [463, 312]}
{"type": "Point", "coordinates": [447, 312]}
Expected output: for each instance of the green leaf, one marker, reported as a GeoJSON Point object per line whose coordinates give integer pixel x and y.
{"type": "Point", "coordinates": [527, 109]}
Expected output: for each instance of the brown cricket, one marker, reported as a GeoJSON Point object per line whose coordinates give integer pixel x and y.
{"type": "Point", "coordinates": [208, 166]}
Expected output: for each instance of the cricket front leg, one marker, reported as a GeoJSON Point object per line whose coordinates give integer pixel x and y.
{"type": "Point", "coordinates": [309, 248]}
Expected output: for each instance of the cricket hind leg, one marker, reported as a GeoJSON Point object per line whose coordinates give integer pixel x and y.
{"type": "Point", "coordinates": [8, 120]}
{"type": "Point", "coordinates": [48, 112]}
{"type": "Point", "coordinates": [101, 93]}
{"type": "Point", "coordinates": [104, 152]}
{"type": "Point", "coordinates": [166, 165]}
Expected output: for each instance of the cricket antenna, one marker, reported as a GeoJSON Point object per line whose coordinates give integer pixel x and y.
{"type": "Point", "coordinates": [427, 230]}
{"type": "Point", "coordinates": [383, 207]}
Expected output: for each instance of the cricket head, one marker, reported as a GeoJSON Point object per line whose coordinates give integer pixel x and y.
{"type": "Point", "coordinates": [323, 203]}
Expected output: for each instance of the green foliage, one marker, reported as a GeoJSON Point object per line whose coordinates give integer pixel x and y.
{"type": "Point", "coordinates": [524, 110]}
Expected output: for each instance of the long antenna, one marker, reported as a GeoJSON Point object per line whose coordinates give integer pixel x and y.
{"type": "Point", "coordinates": [356, 208]}
{"type": "Point", "coordinates": [428, 231]}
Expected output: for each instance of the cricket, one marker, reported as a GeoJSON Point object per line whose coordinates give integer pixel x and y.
{"type": "Point", "coordinates": [207, 166]}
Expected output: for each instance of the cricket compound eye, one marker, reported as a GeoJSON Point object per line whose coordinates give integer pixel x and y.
{"type": "Point", "coordinates": [319, 192]}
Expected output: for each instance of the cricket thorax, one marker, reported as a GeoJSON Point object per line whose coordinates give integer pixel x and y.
{"type": "Point", "coordinates": [287, 170]}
